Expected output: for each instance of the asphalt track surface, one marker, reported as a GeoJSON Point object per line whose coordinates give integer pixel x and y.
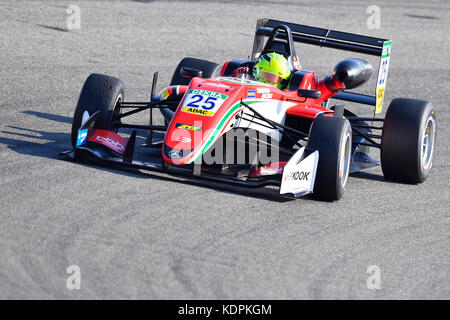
{"type": "Point", "coordinates": [145, 235]}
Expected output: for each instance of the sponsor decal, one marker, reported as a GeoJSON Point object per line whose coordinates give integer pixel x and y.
{"type": "Point", "coordinates": [266, 96]}
{"type": "Point", "coordinates": [109, 139]}
{"type": "Point", "coordinates": [198, 111]}
{"type": "Point", "coordinates": [183, 139]}
{"type": "Point", "coordinates": [299, 175]}
{"type": "Point", "coordinates": [82, 135]}
{"type": "Point", "coordinates": [382, 75]}
{"type": "Point", "coordinates": [115, 145]}
{"type": "Point", "coordinates": [188, 127]}
{"type": "Point", "coordinates": [263, 90]}
{"type": "Point", "coordinates": [251, 93]}
{"type": "Point", "coordinates": [203, 102]}
{"type": "Point", "coordinates": [175, 154]}
{"type": "Point", "coordinates": [380, 97]}
{"type": "Point", "coordinates": [213, 94]}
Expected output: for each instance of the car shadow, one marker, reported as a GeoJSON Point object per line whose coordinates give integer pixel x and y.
{"type": "Point", "coordinates": [50, 150]}
{"type": "Point", "coordinates": [372, 176]}
{"type": "Point", "coordinates": [16, 140]}
{"type": "Point", "coordinates": [53, 28]}
{"type": "Point", "coordinates": [367, 176]}
{"type": "Point", "coordinates": [48, 116]}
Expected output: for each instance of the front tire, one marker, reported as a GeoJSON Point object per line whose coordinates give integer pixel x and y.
{"type": "Point", "coordinates": [332, 137]}
{"type": "Point", "coordinates": [408, 141]}
{"type": "Point", "coordinates": [100, 93]}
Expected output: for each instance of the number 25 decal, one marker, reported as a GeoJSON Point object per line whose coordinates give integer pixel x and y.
{"type": "Point", "coordinates": [208, 103]}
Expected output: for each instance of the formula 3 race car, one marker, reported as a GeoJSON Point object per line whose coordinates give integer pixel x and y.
{"type": "Point", "coordinates": [239, 131]}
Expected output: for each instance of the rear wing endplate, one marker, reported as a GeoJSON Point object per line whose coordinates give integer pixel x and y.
{"type": "Point", "coordinates": [337, 40]}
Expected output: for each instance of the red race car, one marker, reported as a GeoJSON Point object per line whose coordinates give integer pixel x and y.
{"type": "Point", "coordinates": [263, 121]}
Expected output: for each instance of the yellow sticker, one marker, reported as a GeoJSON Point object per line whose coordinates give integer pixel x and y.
{"type": "Point", "coordinates": [380, 96]}
{"type": "Point", "coordinates": [188, 127]}
{"type": "Point", "coordinates": [198, 111]}
{"type": "Point", "coordinates": [166, 93]}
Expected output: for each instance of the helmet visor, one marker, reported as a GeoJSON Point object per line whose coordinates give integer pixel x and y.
{"type": "Point", "coordinates": [270, 77]}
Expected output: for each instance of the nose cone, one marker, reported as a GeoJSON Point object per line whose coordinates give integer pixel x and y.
{"type": "Point", "coordinates": [180, 142]}
{"type": "Point", "coordinates": [202, 116]}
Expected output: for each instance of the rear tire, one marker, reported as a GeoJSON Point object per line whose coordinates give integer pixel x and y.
{"type": "Point", "coordinates": [332, 137]}
{"type": "Point", "coordinates": [408, 141]}
{"type": "Point", "coordinates": [100, 93]}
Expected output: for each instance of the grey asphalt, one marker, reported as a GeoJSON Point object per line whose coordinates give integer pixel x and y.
{"type": "Point", "coordinates": [151, 236]}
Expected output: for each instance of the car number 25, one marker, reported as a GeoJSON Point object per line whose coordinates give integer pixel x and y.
{"type": "Point", "coordinates": [201, 101]}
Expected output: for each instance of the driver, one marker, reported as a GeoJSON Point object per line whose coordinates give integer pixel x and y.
{"type": "Point", "coordinates": [271, 68]}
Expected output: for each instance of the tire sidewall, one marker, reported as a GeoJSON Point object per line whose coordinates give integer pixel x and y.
{"type": "Point", "coordinates": [327, 135]}
{"type": "Point", "coordinates": [345, 134]}
{"type": "Point", "coordinates": [427, 114]}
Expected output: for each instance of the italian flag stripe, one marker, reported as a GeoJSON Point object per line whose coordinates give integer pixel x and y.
{"type": "Point", "coordinates": [222, 125]}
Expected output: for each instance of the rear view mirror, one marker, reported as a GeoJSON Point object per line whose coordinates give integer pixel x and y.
{"type": "Point", "coordinates": [190, 73]}
{"type": "Point", "coordinates": [314, 94]}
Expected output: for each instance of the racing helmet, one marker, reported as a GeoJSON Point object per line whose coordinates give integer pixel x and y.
{"type": "Point", "coordinates": [273, 68]}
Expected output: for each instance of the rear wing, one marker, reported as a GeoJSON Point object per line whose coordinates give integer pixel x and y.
{"type": "Point", "coordinates": [337, 40]}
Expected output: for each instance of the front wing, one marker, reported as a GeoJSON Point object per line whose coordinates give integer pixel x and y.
{"type": "Point", "coordinates": [296, 177]}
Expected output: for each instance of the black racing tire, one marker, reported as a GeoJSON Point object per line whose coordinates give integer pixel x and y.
{"type": "Point", "coordinates": [332, 137]}
{"type": "Point", "coordinates": [210, 70]}
{"type": "Point", "coordinates": [408, 140]}
{"type": "Point", "coordinates": [100, 93]}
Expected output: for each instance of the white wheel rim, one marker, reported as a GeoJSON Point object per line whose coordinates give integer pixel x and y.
{"type": "Point", "coordinates": [344, 161]}
{"type": "Point", "coordinates": [427, 148]}
{"type": "Point", "coordinates": [118, 100]}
